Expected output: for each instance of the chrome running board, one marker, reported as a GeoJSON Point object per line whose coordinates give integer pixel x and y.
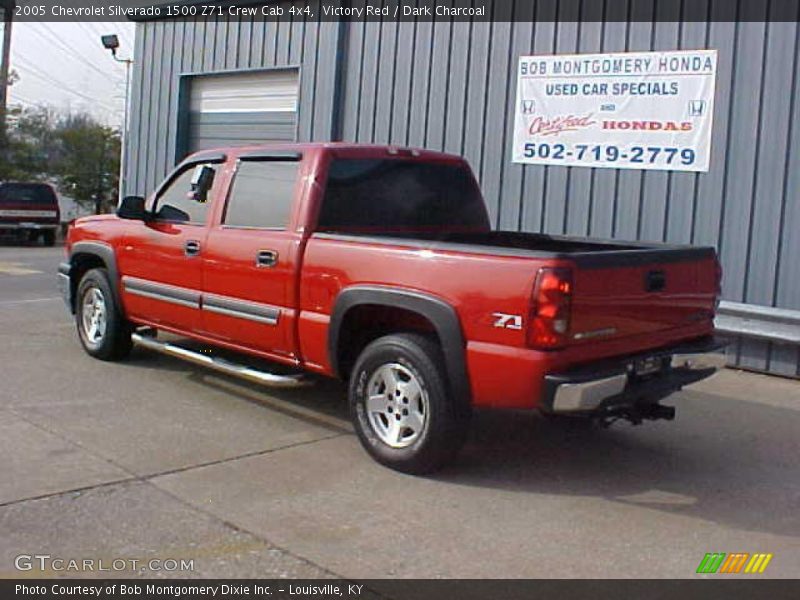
{"type": "Point", "coordinates": [220, 364]}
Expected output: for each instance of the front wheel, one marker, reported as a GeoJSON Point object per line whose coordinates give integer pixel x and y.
{"type": "Point", "coordinates": [402, 409]}
{"type": "Point", "coordinates": [103, 331]}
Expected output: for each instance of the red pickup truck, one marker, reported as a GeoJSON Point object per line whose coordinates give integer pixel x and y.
{"type": "Point", "coordinates": [378, 265]}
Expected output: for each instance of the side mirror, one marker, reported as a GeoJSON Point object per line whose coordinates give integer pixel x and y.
{"type": "Point", "coordinates": [202, 180]}
{"type": "Point", "coordinates": [132, 207]}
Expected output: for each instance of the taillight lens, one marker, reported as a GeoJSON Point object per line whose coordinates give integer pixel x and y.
{"type": "Point", "coordinates": [550, 308]}
{"type": "Point", "coordinates": [718, 281]}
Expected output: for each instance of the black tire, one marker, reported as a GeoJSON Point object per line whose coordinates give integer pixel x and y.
{"type": "Point", "coordinates": [115, 341]}
{"type": "Point", "coordinates": [49, 238]}
{"type": "Point", "coordinates": [446, 419]}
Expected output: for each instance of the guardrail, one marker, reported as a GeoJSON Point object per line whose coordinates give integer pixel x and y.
{"type": "Point", "coordinates": [778, 325]}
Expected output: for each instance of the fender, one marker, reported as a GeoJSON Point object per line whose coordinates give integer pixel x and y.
{"type": "Point", "coordinates": [441, 314]}
{"type": "Point", "coordinates": [105, 253]}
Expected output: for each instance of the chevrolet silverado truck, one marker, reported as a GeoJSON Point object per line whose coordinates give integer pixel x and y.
{"type": "Point", "coordinates": [30, 211]}
{"type": "Point", "coordinates": [378, 265]}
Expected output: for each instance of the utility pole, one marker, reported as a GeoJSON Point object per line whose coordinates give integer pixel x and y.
{"type": "Point", "coordinates": [8, 16]}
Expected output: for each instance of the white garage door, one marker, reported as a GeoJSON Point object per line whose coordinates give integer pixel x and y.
{"type": "Point", "coordinates": [242, 108]}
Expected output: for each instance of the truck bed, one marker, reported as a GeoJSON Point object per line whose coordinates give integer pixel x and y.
{"type": "Point", "coordinates": [621, 289]}
{"type": "Point", "coordinates": [585, 252]}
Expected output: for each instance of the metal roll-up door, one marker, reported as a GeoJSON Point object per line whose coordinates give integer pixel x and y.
{"type": "Point", "coordinates": [239, 109]}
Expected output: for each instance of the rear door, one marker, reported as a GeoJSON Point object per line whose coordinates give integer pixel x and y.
{"type": "Point", "coordinates": [161, 259]}
{"type": "Point", "coordinates": [250, 261]}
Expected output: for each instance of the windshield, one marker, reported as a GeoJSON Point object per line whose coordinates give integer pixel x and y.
{"type": "Point", "coordinates": [27, 193]}
{"type": "Point", "coordinates": [374, 195]}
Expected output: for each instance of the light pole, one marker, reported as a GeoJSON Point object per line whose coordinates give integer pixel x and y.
{"type": "Point", "coordinates": [111, 42]}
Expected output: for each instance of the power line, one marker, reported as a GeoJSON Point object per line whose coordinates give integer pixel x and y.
{"type": "Point", "coordinates": [130, 42]}
{"type": "Point", "coordinates": [23, 99]}
{"type": "Point", "coordinates": [123, 33]}
{"type": "Point", "coordinates": [109, 111]}
{"type": "Point", "coordinates": [85, 26]}
{"type": "Point", "coordinates": [75, 53]}
{"type": "Point", "coordinates": [64, 88]}
{"type": "Point", "coordinates": [67, 48]}
{"type": "Point", "coordinates": [47, 78]}
{"type": "Point", "coordinates": [94, 27]}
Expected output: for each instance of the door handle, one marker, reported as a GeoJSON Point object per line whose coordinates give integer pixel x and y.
{"type": "Point", "coordinates": [192, 248]}
{"type": "Point", "coordinates": [266, 258]}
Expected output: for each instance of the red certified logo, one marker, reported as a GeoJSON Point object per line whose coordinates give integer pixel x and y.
{"type": "Point", "coordinates": [555, 125]}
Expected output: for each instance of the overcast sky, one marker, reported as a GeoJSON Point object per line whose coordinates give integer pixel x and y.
{"type": "Point", "coordinates": [65, 66]}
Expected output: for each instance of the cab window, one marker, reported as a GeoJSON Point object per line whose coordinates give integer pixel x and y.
{"type": "Point", "coordinates": [262, 194]}
{"type": "Point", "coordinates": [174, 203]}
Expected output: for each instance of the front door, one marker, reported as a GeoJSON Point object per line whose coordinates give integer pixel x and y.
{"type": "Point", "coordinates": [250, 260]}
{"type": "Point", "coordinates": [161, 258]}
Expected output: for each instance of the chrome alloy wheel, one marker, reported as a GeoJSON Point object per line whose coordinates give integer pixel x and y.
{"type": "Point", "coordinates": [397, 405]}
{"type": "Point", "coordinates": [93, 316]}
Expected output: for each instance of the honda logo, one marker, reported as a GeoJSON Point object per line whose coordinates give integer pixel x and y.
{"type": "Point", "coordinates": [697, 108]}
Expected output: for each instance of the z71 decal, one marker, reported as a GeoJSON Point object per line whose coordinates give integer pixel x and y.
{"type": "Point", "coordinates": [505, 321]}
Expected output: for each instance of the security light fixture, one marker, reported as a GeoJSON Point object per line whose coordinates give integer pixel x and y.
{"type": "Point", "coordinates": [110, 42]}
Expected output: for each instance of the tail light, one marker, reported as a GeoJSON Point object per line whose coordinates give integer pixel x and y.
{"type": "Point", "coordinates": [718, 283]}
{"type": "Point", "coordinates": [550, 308]}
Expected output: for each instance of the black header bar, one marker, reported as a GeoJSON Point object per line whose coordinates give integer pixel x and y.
{"type": "Point", "coordinates": [410, 10]}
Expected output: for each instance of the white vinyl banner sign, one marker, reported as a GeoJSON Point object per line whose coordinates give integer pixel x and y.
{"type": "Point", "coordinates": [637, 110]}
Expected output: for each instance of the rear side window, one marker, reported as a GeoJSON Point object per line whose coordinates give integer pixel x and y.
{"type": "Point", "coordinates": [27, 193]}
{"type": "Point", "coordinates": [400, 195]}
{"type": "Point", "coordinates": [262, 194]}
{"type": "Point", "coordinates": [174, 203]}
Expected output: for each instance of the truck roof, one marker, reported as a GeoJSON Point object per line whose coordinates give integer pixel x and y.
{"type": "Point", "coordinates": [364, 150]}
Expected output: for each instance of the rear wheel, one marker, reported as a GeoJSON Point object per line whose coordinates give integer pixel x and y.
{"type": "Point", "coordinates": [103, 332]}
{"type": "Point", "coordinates": [401, 407]}
{"type": "Point", "coordinates": [49, 238]}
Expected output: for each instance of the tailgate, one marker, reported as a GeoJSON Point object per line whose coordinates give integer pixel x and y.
{"type": "Point", "coordinates": [623, 294]}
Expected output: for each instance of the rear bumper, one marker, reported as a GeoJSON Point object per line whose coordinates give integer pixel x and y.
{"type": "Point", "coordinates": [28, 226]}
{"type": "Point", "coordinates": [614, 383]}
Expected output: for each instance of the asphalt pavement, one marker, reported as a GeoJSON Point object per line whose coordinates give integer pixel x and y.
{"type": "Point", "coordinates": [153, 458]}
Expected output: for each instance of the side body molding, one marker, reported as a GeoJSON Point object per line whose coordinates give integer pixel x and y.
{"type": "Point", "coordinates": [105, 253]}
{"type": "Point", "coordinates": [443, 317]}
